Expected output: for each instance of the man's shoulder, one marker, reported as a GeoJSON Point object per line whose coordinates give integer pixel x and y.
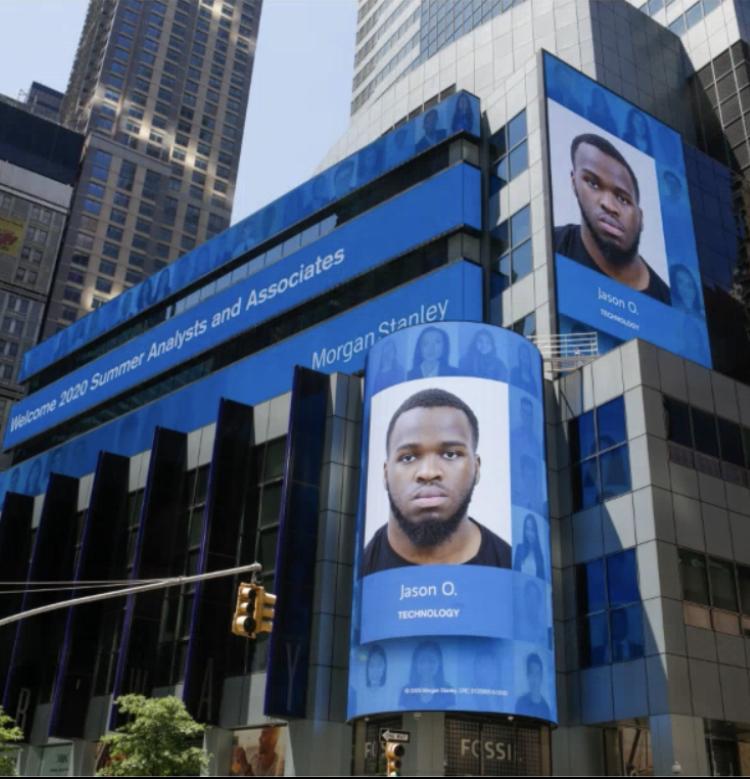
{"type": "Point", "coordinates": [373, 550]}
{"type": "Point", "coordinates": [657, 287]}
{"type": "Point", "coordinates": [565, 234]}
{"type": "Point", "coordinates": [493, 550]}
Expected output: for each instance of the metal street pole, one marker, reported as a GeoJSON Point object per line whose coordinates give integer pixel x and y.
{"type": "Point", "coordinates": [174, 581]}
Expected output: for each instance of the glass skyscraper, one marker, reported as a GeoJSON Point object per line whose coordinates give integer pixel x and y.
{"type": "Point", "coordinates": [160, 90]}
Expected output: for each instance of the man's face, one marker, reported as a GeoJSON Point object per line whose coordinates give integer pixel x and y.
{"type": "Point", "coordinates": [535, 680]}
{"type": "Point", "coordinates": [606, 194]}
{"type": "Point", "coordinates": [267, 740]}
{"type": "Point", "coordinates": [431, 472]}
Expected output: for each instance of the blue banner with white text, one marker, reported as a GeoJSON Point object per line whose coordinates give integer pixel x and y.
{"type": "Point", "coordinates": [338, 344]}
{"type": "Point", "coordinates": [353, 249]}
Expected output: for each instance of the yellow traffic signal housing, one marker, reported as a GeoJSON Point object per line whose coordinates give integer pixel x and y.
{"type": "Point", "coordinates": [243, 622]}
{"type": "Point", "coordinates": [265, 610]}
{"type": "Point", "coordinates": [393, 754]}
{"type": "Point", "coordinates": [254, 611]}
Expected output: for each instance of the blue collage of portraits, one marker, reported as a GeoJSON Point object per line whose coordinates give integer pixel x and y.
{"type": "Point", "coordinates": [452, 592]}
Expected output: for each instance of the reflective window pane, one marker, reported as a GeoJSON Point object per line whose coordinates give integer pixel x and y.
{"type": "Point", "coordinates": [591, 585]}
{"type": "Point", "coordinates": [520, 226]}
{"type": "Point", "coordinates": [517, 129]}
{"type": "Point", "coordinates": [501, 171]}
{"type": "Point", "coordinates": [522, 261]}
{"type": "Point", "coordinates": [614, 469]}
{"type": "Point", "coordinates": [586, 485]}
{"type": "Point", "coordinates": [626, 633]}
{"type": "Point", "coordinates": [582, 436]}
{"type": "Point", "coordinates": [678, 422]}
{"type": "Point", "coordinates": [610, 419]}
{"type": "Point", "coordinates": [622, 578]}
{"type": "Point", "coordinates": [723, 592]}
{"type": "Point", "coordinates": [704, 432]}
{"type": "Point", "coordinates": [501, 235]}
{"type": "Point", "coordinates": [743, 577]}
{"type": "Point", "coordinates": [694, 578]}
{"type": "Point", "coordinates": [518, 160]}
{"type": "Point", "coordinates": [730, 438]}
{"type": "Point", "coordinates": [594, 641]}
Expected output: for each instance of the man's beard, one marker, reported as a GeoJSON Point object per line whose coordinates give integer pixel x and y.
{"type": "Point", "coordinates": [610, 251]}
{"type": "Point", "coordinates": [428, 533]}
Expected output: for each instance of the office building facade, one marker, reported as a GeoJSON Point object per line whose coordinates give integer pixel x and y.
{"type": "Point", "coordinates": [160, 90]}
{"type": "Point", "coordinates": [222, 403]}
{"type": "Point", "coordinates": [37, 176]}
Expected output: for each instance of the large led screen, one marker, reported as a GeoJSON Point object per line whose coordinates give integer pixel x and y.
{"type": "Point", "coordinates": [452, 600]}
{"type": "Point", "coordinates": [625, 255]}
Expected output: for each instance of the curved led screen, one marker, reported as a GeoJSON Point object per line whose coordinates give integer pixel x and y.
{"type": "Point", "coordinates": [452, 598]}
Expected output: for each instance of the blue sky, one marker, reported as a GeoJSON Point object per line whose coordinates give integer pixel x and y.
{"type": "Point", "coordinates": [299, 99]}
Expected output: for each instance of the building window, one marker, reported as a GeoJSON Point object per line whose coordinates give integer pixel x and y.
{"type": "Point", "coordinates": [92, 206]}
{"type": "Point", "coordinates": [111, 250]}
{"type": "Point", "coordinates": [192, 215]}
{"type": "Point", "coordinates": [525, 326]}
{"type": "Point", "coordinates": [599, 454]}
{"type": "Point", "coordinates": [712, 444]}
{"type": "Point", "coordinates": [82, 260]}
{"type": "Point", "coordinates": [610, 624]}
{"type": "Point", "coordinates": [509, 148]}
{"type": "Point", "coordinates": [107, 268]}
{"type": "Point", "coordinates": [151, 184]}
{"type": "Point", "coordinates": [73, 295]}
{"type": "Point", "coordinates": [511, 245]}
{"type": "Point", "coordinates": [118, 217]}
{"type": "Point", "coordinates": [716, 593]}
{"type": "Point", "coordinates": [127, 175]}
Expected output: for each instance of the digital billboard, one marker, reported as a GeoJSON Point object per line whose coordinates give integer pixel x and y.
{"type": "Point", "coordinates": [454, 115]}
{"type": "Point", "coordinates": [452, 599]}
{"type": "Point", "coordinates": [625, 256]}
{"type": "Point", "coordinates": [354, 248]}
{"type": "Point", "coordinates": [337, 344]}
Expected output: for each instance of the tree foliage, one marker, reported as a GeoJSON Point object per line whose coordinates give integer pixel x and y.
{"type": "Point", "coordinates": [10, 734]}
{"type": "Point", "coordinates": [159, 739]}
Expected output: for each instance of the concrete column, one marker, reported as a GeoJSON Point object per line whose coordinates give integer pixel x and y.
{"type": "Point", "coordinates": [678, 739]}
{"type": "Point", "coordinates": [218, 745]}
{"type": "Point", "coordinates": [425, 753]}
{"type": "Point", "coordinates": [578, 751]}
{"type": "Point", "coordinates": [318, 748]}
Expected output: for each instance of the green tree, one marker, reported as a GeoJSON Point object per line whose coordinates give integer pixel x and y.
{"type": "Point", "coordinates": [9, 735]}
{"type": "Point", "coordinates": [158, 740]}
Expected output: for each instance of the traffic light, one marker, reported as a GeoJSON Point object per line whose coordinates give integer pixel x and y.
{"type": "Point", "coordinates": [265, 609]}
{"type": "Point", "coordinates": [393, 754]}
{"type": "Point", "coordinates": [254, 611]}
{"type": "Point", "coordinates": [243, 622]}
